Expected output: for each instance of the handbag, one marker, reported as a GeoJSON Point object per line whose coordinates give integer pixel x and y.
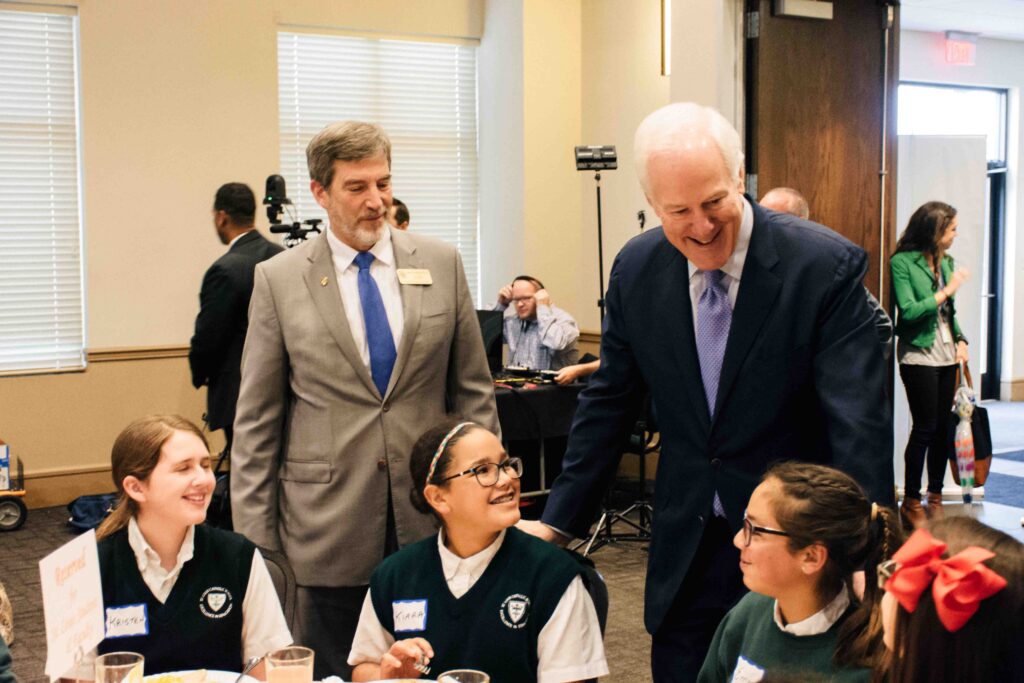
{"type": "Point", "coordinates": [87, 512]}
{"type": "Point", "coordinates": [980, 430]}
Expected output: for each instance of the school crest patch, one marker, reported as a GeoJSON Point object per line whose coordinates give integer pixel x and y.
{"type": "Point", "coordinates": [216, 602]}
{"type": "Point", "coordinates": [515, 611]}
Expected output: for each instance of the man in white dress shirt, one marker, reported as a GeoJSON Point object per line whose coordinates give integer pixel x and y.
{"type": "Point", "coordinates": [358, 341]}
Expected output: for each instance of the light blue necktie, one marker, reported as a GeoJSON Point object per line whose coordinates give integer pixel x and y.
{"type": "Point", "coordinates": [714, 316]}
{"type": "Point", "coordinates": [378, 331]}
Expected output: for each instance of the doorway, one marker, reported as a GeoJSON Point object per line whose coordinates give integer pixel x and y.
{"type": "Point", "coordinates": [947, 109]}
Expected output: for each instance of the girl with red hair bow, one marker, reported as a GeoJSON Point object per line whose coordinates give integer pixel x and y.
{"type": "Point", "coordinates": [953, 608]}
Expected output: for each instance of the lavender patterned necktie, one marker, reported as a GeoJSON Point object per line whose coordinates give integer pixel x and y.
{"type": "Point", "coordinates": [714, 316]}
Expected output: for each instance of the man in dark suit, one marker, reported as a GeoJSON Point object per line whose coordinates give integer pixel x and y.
{"type": "Point", "coordinates": [751, 331]}
{"type": "Point", "coordinates": [216, 353]}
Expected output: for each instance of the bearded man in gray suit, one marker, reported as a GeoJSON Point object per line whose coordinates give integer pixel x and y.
{"type": "Point", "coordinates": [358, 341]}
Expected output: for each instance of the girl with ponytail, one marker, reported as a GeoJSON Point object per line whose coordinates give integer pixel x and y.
{"type": "Point", "coordinates": [184, 595]}
{"type": "Point", "coordinates": [807, 531]}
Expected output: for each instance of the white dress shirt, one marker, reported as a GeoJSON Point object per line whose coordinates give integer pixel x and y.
{"type": "Point", "coordinates": [820, 621]}
{"type": "Point", "coordinates": [384, 271]}
{"type": "Point", "coordinates": [569, 647]}
{"type": "Point", "coordinates": [733, 268]}
{"type": "Point", "coordinates": [263, 625]}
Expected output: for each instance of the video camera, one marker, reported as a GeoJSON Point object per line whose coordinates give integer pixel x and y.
{"type": "Point", "coordinates": [275, 199]}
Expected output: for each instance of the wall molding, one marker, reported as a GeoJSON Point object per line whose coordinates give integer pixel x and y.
{"type": "Point", "coordinates": [130, 353]}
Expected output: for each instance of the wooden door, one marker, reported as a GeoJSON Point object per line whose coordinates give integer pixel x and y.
{"type": "Point", "coordinates": [820, 104]}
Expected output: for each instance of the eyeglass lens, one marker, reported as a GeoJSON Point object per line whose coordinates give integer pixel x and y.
{"type": "Point", "coordinates": [487, 474]}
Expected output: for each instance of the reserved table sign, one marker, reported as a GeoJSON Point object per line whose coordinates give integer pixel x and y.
{"type": "Point", "coordinates": [72, 603]}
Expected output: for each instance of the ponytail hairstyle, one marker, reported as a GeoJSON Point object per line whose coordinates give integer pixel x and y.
{"type": "Point", "coordinates": [987, 647]}
{"type": "Point", "coordinates": [435, 443]}
{"type": "Point", "coordinates": [136, 453]}
{"type": "Point", "coordinates": [821, 505]}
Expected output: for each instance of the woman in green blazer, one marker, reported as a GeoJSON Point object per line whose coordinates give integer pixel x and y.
{"type": "Point", "coordinates": [924, 282]}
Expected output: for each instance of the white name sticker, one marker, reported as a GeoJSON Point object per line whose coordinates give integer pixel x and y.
{"type": "Point", "coordinates": [127, 620]}
{"type": "Point", "coordinates": [747, 672]}
{"type": "Point", "coordinates": [409, 615]}
{"type": "Point", "coordinates": [415, 276]}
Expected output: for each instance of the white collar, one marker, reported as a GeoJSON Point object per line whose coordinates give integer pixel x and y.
{"type": "Point", "coordinates": [474, 565]}
{"type": "Point", "coordinates": [344, 255]}
{"type": "Point", "coordinates": [146, 557]}
{"type": "Point", "coordinates": [819, 622]}
{"type": "Point", "coordinates": [734, 266]}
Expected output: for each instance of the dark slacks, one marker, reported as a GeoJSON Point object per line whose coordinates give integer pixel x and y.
{"type": "Point", "coordinates": [326, 620]}
{"type": "Point", "coordinates": [930, 396]}
{"type": "Point", "coordinates": [326, 617]}
{"type": "Point", "coordinates": [712, 586]}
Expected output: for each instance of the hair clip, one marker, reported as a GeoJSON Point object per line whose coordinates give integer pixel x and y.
{"type": "Point", "coordinates": [959, 583]}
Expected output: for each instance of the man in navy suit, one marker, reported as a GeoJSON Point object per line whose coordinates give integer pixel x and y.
{"type": "Point", "coordinates": [752, 334]}
{"type": "Point", "coordinates": [215, 356]}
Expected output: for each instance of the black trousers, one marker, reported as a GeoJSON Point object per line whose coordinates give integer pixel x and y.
{"type": "Point", "coordinates": [713, 584]}
{"type": "Point", "coordinates": [930, 395]}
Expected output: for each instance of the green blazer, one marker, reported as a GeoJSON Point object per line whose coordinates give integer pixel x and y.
{"type": "Point", "coordinates": [914, 287]}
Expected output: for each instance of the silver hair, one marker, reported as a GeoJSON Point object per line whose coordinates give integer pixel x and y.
{"type": "Point", "coordinates": [664, 128]}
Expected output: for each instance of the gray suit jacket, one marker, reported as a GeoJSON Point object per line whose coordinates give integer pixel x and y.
{"type": "Point", "coordinates": [316, 446]}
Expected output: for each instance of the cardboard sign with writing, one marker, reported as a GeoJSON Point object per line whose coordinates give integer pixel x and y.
{"type": "Point", "coordinates": [72, 603]}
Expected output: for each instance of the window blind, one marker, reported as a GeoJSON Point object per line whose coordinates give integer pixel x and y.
{"type": "Point", "coordinates": [423, 95]}
{"type": "Point", "coordinates": [41, 309]}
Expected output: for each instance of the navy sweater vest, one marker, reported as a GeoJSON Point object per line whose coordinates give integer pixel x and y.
{"type": "Point", "coordinates": [200, 625]}
{"type": "Point", "coordinates": [493, 627]}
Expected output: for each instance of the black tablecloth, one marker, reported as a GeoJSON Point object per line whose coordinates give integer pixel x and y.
{"type": "Point", "coordinates": [537, 413]}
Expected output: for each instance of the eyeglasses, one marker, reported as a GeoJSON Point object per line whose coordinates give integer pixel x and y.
{"type": "Point", "coordinates": [749, 529]}
{"type": "Point", "coordinates": [885, 570]}
{"type": "Point", "coordinates": [487, 473]}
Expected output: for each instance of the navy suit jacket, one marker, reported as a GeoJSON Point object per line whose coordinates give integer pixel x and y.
{"type": "Point", "coordinates": [215, 356]}
{"type": "Point", "coordinates": [802, 379]}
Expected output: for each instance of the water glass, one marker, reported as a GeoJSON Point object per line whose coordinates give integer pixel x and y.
{"type": "Point", "coordinates": [292, 664]}
{"type": "Point", "coordinates": [119, 667]}
{"type": "Point", "coordinates": [464, 676]}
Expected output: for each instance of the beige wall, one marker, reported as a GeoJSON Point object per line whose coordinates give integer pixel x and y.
{"type": "Point", "coordinates": [178, 98]}
{"type": "Point", "coordinates": [622, 83]}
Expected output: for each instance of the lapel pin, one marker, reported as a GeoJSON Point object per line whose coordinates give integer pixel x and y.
{"type": "Point", "coordinates": [323, 282]}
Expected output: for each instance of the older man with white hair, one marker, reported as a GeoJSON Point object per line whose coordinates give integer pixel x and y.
{"type": "Point", "coordinates": [753, 337]}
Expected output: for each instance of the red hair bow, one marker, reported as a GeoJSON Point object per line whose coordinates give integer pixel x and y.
{"type": "Point", "coordinates": [958, 583]}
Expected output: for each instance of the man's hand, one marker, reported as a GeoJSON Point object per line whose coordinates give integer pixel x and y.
{"type": "Point", "coordinates": [398, 661]}
{"type": "Point", "coordinates": [505, 295]}
{"type": "Point", "coordinates": [571, 373]}
{"type": "Point", "coordinates": [542, 297]}
{"type": "Point", "coordinates": [542, 531]}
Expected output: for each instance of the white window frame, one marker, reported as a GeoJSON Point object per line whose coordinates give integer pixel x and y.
{"type": "Point", "coordinates": [42, 284]}
{"type": "Point", "coordinates": [423, 93]}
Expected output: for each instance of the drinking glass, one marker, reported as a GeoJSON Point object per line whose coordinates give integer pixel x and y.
{"type": "Point", "coordinates": [119, 667]}
{"type": "Point", "coordinates": [464, 676]}
{"type": "Point", "coordinates": [292, 664]}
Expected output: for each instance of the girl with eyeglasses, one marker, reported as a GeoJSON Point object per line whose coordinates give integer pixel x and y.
{"type": "Point", "coordinates": [806, 532]}
{"type": "Point", "coordinates": [481, 594]}
{"type": "Point", "coordinates": [953, 608]}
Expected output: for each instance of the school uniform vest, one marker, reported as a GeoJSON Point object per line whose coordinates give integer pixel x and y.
{"type": "Point", "coordinates": [200, 625]}
{"type": "Point", "coordinates": [493, 627]}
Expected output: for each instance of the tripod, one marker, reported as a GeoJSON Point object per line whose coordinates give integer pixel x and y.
{"type": "Point", "coordinates": [640, 514]}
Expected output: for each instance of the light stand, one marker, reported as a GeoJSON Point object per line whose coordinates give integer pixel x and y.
{"type": "Point", "coordinates": [598, 158]}
{"type": "Point", "coordinates": [643, 441]}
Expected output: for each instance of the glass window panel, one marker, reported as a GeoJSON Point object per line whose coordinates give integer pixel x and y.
{"type": "Point", "coordinates": [944, 110]}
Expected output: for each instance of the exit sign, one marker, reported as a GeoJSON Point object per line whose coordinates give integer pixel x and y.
{"type": "Point", "coordinates": [960, 48]}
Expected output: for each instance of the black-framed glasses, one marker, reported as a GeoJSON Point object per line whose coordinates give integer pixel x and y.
{"type": "Point", "coordinates": [885, 570]}
{"type": "Point", "coordinates": [749, 529]}
{"type": "Point", "coordinates": [487, 473]}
